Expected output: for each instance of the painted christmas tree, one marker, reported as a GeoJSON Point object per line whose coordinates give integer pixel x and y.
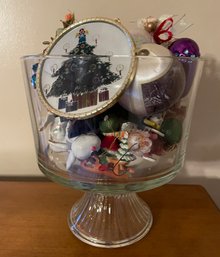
{"type": "Point", "coordinates": [123, 153]}
{"type": "Point", "coordinates": [83, 73]}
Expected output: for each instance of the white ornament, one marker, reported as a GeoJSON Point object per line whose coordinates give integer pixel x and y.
{"type": "Point", "coordinates": [82, 148]}
{"type": "Point", "coordinates": [158, 83]}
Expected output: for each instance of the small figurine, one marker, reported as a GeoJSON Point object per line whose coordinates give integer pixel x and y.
{"type": "Point", "coordinates": [139, 142]}
{"type": "Point", "coordinates": [82, 36]}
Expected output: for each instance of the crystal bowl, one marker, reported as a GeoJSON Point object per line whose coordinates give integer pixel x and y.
{"type": "Point", "coordinates": [111, 128]}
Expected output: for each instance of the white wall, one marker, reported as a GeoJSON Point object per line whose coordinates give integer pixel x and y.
{"type": "Point", "coordinates": [24, 24]}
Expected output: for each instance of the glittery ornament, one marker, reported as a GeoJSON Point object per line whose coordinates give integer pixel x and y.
{"type": "Point", "coordinates": [150, 24]}
{"type": "Point", "coordinates": [185, 47]}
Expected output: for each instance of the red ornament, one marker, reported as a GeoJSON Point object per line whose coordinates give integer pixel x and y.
{"type": "Point", "coordinates": [69, 17]}
{"type": "Point", "coordinates": [163, 33]}
{"type": "Point", "coordinates": [110, 142]}
{"type": "Point", "coordinates": [158, 147]}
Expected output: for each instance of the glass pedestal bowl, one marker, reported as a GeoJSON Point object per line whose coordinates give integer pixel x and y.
{"type": "Point", "coordinates": [124, 141]}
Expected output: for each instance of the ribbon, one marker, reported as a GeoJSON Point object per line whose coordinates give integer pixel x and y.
{"type": "Point", "coordinates": [163, 33]}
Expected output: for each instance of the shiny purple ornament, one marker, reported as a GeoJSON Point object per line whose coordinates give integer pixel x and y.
{"type": "Point", "coordinates": [185, 47]}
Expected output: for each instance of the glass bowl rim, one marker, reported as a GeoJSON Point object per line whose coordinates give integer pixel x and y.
{"type": "Point", "coordinates": [42, 56]}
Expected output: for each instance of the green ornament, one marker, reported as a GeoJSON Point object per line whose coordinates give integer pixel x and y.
{"type": "Point", "coordinates": [109, 124]}
{"type": "Point", "coordinates": [172, 130]}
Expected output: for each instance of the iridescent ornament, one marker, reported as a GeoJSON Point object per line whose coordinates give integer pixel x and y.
{"type": "Point", "coordinates": [185, 47]}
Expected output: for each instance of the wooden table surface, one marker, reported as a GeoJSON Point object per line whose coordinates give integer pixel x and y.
{"type": "Point", "coordinates": [33, 223]}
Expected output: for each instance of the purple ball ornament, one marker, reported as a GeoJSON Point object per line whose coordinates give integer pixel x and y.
{"type": "Point", "coordinates": [186, 47]}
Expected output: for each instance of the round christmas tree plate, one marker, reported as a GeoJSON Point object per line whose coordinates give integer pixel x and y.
{"type": "Point", "coordinates": [99, 64]}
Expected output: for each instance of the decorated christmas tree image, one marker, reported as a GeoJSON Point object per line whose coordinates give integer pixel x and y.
{"type": "Point", "coordinates": [81, 76]}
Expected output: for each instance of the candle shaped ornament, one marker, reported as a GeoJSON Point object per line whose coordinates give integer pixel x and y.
{"type": "Point", "coordinates": [158, 84]}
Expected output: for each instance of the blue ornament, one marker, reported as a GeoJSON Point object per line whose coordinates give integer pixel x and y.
{"type": "Point", "coordinates": [34, 75]}
{"type": "Point", "coordinates": [34, 67]}
{"type": "Point", "coordinates": [33, 80]}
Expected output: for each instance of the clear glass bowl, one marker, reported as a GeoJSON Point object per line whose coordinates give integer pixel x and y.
{"type": "Point", "coordinates": [112, 136]}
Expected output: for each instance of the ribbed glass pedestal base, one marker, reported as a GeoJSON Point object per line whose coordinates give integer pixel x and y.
{"type": "Point", "coordinates": [110, 220]}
